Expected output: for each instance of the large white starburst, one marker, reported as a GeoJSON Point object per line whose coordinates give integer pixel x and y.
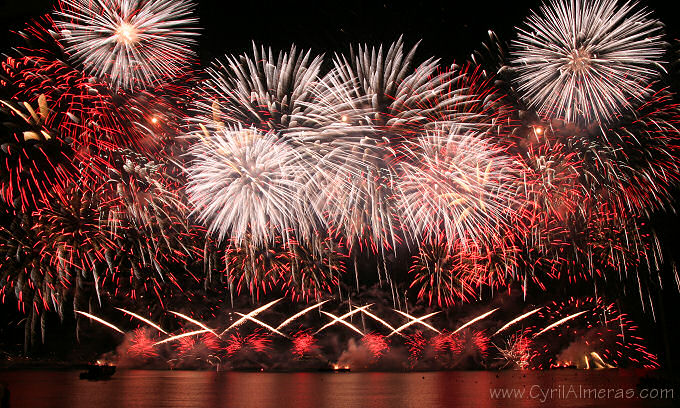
{"type": "Point", "coordinates": [243, 182]}
{"type": "Point", "coordinates": [585, 60]}
{"type": "Point", "coordinates": [132, 43]}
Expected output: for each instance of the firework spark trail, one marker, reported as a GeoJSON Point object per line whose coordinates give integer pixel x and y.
{"type": "Point", "coordinates": [102, 321]}
{"type": "Point", "coordinates": [265, 325]}
{"type": "Point", "coordinates": [342, 318]}
{"type": "Point", "coordinates": [476, 319]}
{"type": "Point", "coordinates": [181, 336]}
{"type": "Point", "coordinates": [559, 322]}
{"type": "Point", "coordinates": [414, 320]}
{"type": "Point", "coordinates": [376, 318]}
{"type": "Point", "coordinates": [346, 323]}
{"type": "Point", "coordinates": [135, 43]}
{"type": "Point", "coordinates": [251, 314]}
{"type": "Point", "coordinates": [584, 59]}
{"type": "Point", "coordinates": [515, 320]}
{"type": "Point", "coordinates": [196, 322]}
{"type": "Point", "coordinates": [147, 321]}
{"type": "Point", "coordinates": [298, 314]}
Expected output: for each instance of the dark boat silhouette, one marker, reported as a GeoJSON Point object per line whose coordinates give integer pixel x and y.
{"type": "Point", "coordinates": [96, 372]}
{"type": "Point", "coordinates": [335, 369]}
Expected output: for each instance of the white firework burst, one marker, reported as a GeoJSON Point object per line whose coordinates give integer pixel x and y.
{"type": "Point", "coordinates": [457, 183]}
{"type": "Point", "coordinates": [361, 111]}
{"type": "Point", "coordinates": [381, 88]}
{"type": "Point", "coordinates": [132, 43]}
{"type": "Point", "coordinates": [243, 182]}
{"type": "Point", "coordinates": [263, 90]}
{"type": "Point", "coordinates": [585, 60]}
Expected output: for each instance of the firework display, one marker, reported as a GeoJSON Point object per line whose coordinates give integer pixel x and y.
{"type": "Point", "coordinates": [597, 336]}
{"type": "Point", "coordinates": [137, 185]}
{"type": "Point", "coordinates": [585, 60]}
{"type": "Point", "coordinates": [134, 43]}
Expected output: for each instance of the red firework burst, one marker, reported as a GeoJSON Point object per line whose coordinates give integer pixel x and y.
{"type": "Point", "coordinates": [416, 344]}
{"type": "Point", "coordinates": [303, 343]}
{"type": "Point", "coordinates": [258, 342]}
{"type": "Point", "coordinates": [598, 335]}
{"type": "Point", "coordinates": [376, 343]}
{"type": "Point", "coordinates": [142, 345]}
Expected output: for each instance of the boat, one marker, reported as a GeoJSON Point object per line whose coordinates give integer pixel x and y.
{"type": "Point", "coordinates": [96, 372]}
{"type": "Point", "coordinates": [335, 369]}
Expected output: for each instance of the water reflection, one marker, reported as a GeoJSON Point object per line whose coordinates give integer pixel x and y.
{"type": "Point", "coordinates": [179, 389]}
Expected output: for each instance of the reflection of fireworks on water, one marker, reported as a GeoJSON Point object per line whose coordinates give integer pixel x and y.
{"type": "Point", "coordinates": [303, 343]}
{"type": "Point", "coordinates": [597, 335]}
{"type": "Point", "coordinates": [377, 344]}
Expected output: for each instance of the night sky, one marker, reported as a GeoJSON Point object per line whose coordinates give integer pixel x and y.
{"type": "Point", "coordinates": [449, 30]}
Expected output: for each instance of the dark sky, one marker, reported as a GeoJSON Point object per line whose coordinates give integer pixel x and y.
{"type": "Point", "coordinates": [449, 29]}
